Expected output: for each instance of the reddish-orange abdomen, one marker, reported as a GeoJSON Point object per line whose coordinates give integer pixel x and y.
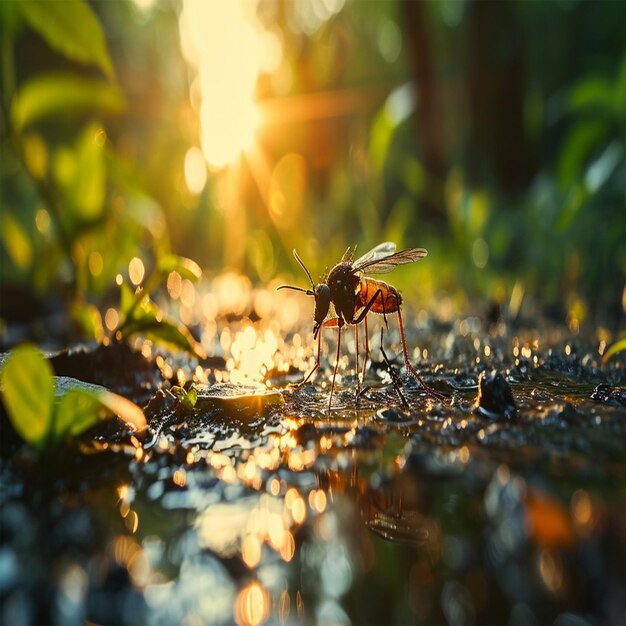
{"type": "Point", "coordinates": [388, 301]}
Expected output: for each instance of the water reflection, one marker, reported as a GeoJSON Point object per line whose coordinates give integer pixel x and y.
{"type": "Point", "coordinates": [252, 605]}
{"type": "Point", "coordinates": [374, 514]}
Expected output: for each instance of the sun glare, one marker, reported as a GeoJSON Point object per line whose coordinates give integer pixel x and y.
{"type": "Point", "coordinates": [219, 39]}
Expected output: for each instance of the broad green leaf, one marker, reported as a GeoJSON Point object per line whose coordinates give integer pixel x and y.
{"type": "Point", "coordinates": [165, 331]}
{"type": "Point", "coordinates": [617, 347]}
{"type": "Point", "coordinates": [16, 242]}
{"type": "Point", "coordinates": [11, 18]}
{"type": "Point", "coordinates": [81, 175]}
{"type": "Point", "coordinates": [71, 28]}
{"type": "Point", "coordinates": [89, 186]}
{"type": "Point", "coordinates": [593, 92]}
{"type": "Point", "coordinates": [63, 94]}
{"type": "Point", "coordinates": [579, 146]}
{"type": "Point", "coordinates": [148, 320]}
{"type": "Point", "coordinates": [380, 138]}
{"type": "Point", "coordinates": [185, 267]}
{"type": "Point", "coordinates": [35, 154]}
{"type": "Point", "coordinates": [620, 87]}
{"type": "Point", "coordinates": [77, 411]}
{"type": "Point", "coordinates": [28, 392]}
{"type": "Point", "coordinates": [135, 314]}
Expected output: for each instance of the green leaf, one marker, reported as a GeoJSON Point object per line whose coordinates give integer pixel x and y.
{"type": "Point", "coordinates": [79, 409]}
{"type": "Point", "coordinates": [620, 87]}
{"type": "Point", "coordinates": [88, 187]}
{"type": "Point", "coordinates": [185, 267]}
{"type": "Point", "coordinates": [147, 319]}
{"type": "Point", "coordinates": [71, 28]}
{"type": "Point", "coordinates": [89, 319]}
{"type": "Point", "coordinates": [16, 241]}
{"type": "Point", "coordinates": [187, 398]}
{"type": "Point", "coordinates": [594, 92]}
{"type": "Point", "coordinates": [380, 138]}
{"type": "Point", "coordinates": [169, 332]}
{"type": "Point", "coordinates": [28, 392]}
{"type": "Point", "coordinates": [11, 18]}
{"type": "Point", "coordinates": [579, 146]}
{"type": "Point", "coordinates": [81, 175]}
{"type": "Point", "coordinates": [618, 346]}
{"type": "Point", "coordinates": [63, 94]}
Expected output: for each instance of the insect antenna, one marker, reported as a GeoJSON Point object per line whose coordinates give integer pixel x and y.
{"type": "Point", "coordinates": [303, 266]}
{"type": "Point", "coordinates": [309, 292]}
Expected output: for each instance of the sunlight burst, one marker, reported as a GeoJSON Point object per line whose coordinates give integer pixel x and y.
{"type": "Point", "coordinates": [221, 42]}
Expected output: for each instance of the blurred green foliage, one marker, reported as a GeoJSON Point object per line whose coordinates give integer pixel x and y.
{"type": "Point", "coordinates": [139, 315]}
{"type": "Point", "coordinates": [28, 393]}
{"type": "Point", "coordinates": [490, 133]}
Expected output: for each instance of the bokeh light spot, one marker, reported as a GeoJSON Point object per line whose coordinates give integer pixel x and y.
{"type": "Point", "coordinates": [195, 170]}
{"type": "Point", "coordinates": [136, 271]}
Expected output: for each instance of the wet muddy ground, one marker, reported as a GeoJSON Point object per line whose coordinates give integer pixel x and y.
{"type": "Point", "coordinates": [503, 504]}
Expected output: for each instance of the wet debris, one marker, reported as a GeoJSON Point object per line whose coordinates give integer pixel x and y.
{"type": "Point", "coordinates": [609, 395]}
{"type": "Point", "coordinates": [394, 416]}
{"type": "Point", "coordinates": [495, 398]}
{"type": "Point", "coordinates": [116, 366]}
{"type": "Point", "coordinates": [410, 527]}
{"type": "Point", "coordinates": [246, 401]}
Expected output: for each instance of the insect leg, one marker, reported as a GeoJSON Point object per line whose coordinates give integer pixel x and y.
{"type": "Point", "coordinates": [393, 373]}
{"type": "Point", "coordinates": [367, 348]}
{"type": "Point", "coordinates": [332, 387]}
{"type": "Point", "coordinates": [363, 317]}
{"type": "Point", "coordinates": [356, 342]}
{"type": "Point", "coordinates": [326, 324]}
{"type": "Point", "coordinates": [429, 390]}
{"type": "Point", "coordinates": [368, 306]}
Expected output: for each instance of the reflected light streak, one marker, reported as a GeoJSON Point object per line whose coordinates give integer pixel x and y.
{"type": "Point", "coordinates": [252, 605]}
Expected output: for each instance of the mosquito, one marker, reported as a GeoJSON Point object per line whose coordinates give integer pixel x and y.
{"type": "Point", "coordinates": [355, 295]}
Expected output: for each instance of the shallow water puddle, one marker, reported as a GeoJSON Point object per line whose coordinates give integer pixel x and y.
{"type": "Point", "coordinates": [259, 506]}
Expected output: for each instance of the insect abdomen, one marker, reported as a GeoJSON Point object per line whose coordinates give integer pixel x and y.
{"type": "Point", "coordinates": [388, 301]}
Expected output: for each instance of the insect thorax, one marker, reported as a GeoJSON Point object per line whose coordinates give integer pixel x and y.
{"type": "Point", "coordinates": [342, 277]}
{"type": "Point", "coordinates": [343, 284]}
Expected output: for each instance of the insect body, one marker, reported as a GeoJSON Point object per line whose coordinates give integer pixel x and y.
{"type": "Point", "coordinates": [354, 296]}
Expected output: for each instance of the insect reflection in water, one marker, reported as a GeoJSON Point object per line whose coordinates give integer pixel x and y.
{"type": "Point", "coordinates": [354, 296]}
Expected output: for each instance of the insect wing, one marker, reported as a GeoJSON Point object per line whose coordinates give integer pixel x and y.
{"type": "Point", "coordinates": [384, 264]}
{"type": "Point", "coordinates": [381, 251]}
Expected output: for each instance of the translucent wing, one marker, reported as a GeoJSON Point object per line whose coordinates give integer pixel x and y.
{"type": "Point", "coordinates": [381, 264]}
{"type": "Point", "coordinates": [381, 251]}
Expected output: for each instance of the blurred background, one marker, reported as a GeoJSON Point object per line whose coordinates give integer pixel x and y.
{"type": "Point", "coordinates": [490, 133]}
